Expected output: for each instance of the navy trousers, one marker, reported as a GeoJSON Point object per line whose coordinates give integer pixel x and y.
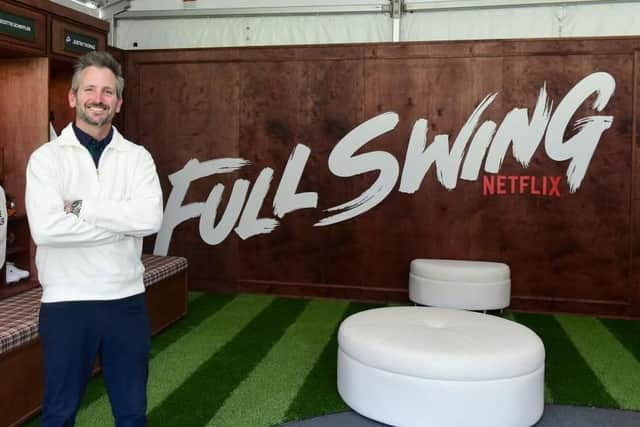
{"type": "Point", "coordinates": [72, 334]}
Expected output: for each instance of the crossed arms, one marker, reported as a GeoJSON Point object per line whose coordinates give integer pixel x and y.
{"type": "Point", "coordinates": [94, 221]}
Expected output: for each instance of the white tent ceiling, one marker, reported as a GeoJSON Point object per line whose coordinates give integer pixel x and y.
{"type": "Point", "coordinates": [147, 24]}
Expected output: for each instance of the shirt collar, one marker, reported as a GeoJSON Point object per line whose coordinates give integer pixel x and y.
{"type": "Point", "coordinates": [86, 139]}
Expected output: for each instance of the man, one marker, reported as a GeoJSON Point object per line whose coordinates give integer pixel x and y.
{"type": "Point", "coordinates": [91, 196]}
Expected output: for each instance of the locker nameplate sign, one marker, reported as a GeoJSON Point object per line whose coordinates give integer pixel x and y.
{"type": "Point", "coordinates": [17, 26]}
{"type": "Point", "coordinates": [79, 43]}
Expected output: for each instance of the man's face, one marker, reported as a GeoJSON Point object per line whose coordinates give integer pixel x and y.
{"type": "Point", "coordinates": [96, 101]}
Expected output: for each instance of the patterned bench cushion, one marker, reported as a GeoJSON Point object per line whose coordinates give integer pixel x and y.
{"type": "Point", "coordinates": [19, 313]}
{"type": "Point", "coordinates": [19, 319]}
{"type": "Point", "coordinates": [157, 267]}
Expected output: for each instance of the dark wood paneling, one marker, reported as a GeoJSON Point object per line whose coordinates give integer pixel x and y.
{"type": "Point", "coordinates": [22, 140]}
{"type": "Point", "coordinates": [592, 225]}
{"type": "Point", "coordinates": [167, 301]}
{"type": "Point", "coordinates": [22, 383]}
{"type": "Point", "coordinates": [433, 222]}
{"type": "Point", "coordinates": [313, 103]}
{"type": "Point", "coordinates": [196, 106]}
{"type": "Point", "coordinates": [634, 247]}
{"type": "Point", "coordinates": [60, 113]}
{"type": "Point", "coordinates": [573, 253]}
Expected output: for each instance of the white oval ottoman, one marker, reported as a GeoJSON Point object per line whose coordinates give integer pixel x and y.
{"type": "Point", "coordinates": [427, 366]}
{"type": "Point", "coordinates": [469, 285]}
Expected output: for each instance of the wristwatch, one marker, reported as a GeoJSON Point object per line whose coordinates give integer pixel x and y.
{"type": "Point", "coordinates": [76, 205]}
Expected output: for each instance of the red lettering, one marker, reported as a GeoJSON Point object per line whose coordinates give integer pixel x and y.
{"type": "Point", "coordinates": [502, 184]}
{"type": "Point", "coordinates": [512, 179]}
{"type": "Point", "coordinates": [555, 182]}
{"type": "Point", "coordinates": [488, 185]}
{"type": "Point", "coordinates": [521, 184]}
{"type": "Point", "coordinates": [534, 188]}
{"type": "Point", "coordinates": [524, 183]}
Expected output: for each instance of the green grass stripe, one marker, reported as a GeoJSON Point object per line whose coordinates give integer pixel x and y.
{"type": "Point", "coordinates": [281, 373]}
{"type": "Point", "coordinates": [602, 351]}
{"type": "Point", "coordinates": [627, 332]}
{"type": "Point", "coordinates": [200, 396]}
{"type": "Point", "coordinates": [319, 393]}
{"type": "Point", "coordinates": [568, 377]}
{"type": "Point", "coordinates": [198, 310]}
{"type": "Point", "coordinates": [179, 360]}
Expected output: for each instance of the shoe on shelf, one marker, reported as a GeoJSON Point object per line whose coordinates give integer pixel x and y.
{"type": "Point", "coordinates": [12, 276]}
{"type": "Point", "coordinates": [15, 274]}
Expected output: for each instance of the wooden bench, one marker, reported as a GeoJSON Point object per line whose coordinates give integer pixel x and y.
{"type": "Point", "coordinates": [21, 371]}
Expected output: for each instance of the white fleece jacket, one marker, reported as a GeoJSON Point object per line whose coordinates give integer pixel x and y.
{"type": "Point", "coordinates": [95, 256]}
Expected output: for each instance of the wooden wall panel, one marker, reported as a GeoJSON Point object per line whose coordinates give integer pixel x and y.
{"type": "Point", "coordinates": [572, 253]}
{"type": "Point", "coordinates": [18, 142]}
{"type": "Point", "coordinates": [425, 224]}
{"type": "Point", "coordinates": [634, 247]}
{"type": "Point", "coordinates": [22, 140]}
{"type": "Point", "coordinates": [61, 114]}
{"type": "Point", "coordinates": [312, 103]}
{"type": "Point", "coordinates": [190, 111]}
{"type": "Point", "coordinates": [593, 223]}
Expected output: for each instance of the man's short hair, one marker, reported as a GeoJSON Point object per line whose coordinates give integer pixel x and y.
{"type": "Point", "coordinates": [98, 59]}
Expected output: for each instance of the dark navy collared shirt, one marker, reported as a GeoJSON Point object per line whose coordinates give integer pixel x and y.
{"type": "Point", "coordinates": [94, 146]}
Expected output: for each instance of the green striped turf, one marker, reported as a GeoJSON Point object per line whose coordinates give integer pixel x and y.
{"type": "Point", "coordinates": [183, 357]}
{"type": "Point", "coordinates": [261, 361]}
{"type": "Point", "coordinates": [627, 332]}
{"type": "Point", "coordinates": [319, 394]}
{"type": "Point", "coordinates": [200, 309]}
{"type": "Point", "coordinates": [200, 396]}
{"type": "Point", "coordinates": [569, 378]}
{"type": "Point", "coordinates": [602, 351]}
{"type": "Point", "coordinates": [282, 371]}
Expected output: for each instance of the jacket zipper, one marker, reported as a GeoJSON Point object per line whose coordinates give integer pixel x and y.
{"type": "Point", "coordinates": [97, 168]}
{"type": "Point", "coordinates": [104, 153]}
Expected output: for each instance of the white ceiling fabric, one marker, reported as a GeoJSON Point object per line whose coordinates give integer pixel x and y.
{"type": "Point", "coordinates": [252, 31]}
{"type": "Point", "coordinates": [174, 24]}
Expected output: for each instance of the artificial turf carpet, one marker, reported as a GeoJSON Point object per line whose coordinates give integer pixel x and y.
{"type": "Point", "coordinates": [255, 360]}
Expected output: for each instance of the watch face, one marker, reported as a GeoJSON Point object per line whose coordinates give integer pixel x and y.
{"type": "Point", "coordinates": [76, 206]}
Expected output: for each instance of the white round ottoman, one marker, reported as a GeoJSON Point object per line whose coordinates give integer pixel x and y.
{"type": "Point", "coordinates": [469, 285]}
{"type": "Point", "coordinates": [427, 366]}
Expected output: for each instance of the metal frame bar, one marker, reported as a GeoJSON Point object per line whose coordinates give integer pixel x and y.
{"type": "Point", "coordinates": [382, 7]}
{"type": "Point", "coordinates": [425, 6]}
{"type": "Point", "coordinates": [394, 8]}
{"type": "Point", "coordinates": [110, 12]}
